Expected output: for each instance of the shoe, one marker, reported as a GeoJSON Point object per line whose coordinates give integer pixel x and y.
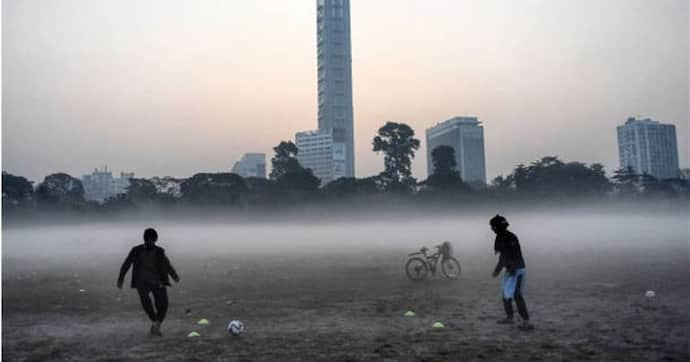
{"type": "Point", "coordinates": [506, 320]}
{"type": "Point", "coordinates": [156, 329]}
{"type": "Point", "coordinates": [525, 326]}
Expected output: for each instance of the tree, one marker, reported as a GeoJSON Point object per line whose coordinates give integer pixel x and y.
{"type": "Point", "coordinates": [284, 160]}
{"type": "Point", "coordinates": [597, 179]}
{"type": "Point", "coordinates": [261, 191]}
{"type": "Point", "coordinates": [214, 189]}
{"type": "Point", "coordinates": [141, 191]}
{"type": "Point", "coordinates": [60, 191]}
{"type": "Point", "coordinates": [670, 188]}
{"type": "Point", "coordinates": [549, 177]}
{"type": "Point", "coordinates": [502, 183]}
{"type": "Point", "coordinates": [397, 142]}
{"type": "Point", "coordinates": [443, 160]}
{"type": "Point", "coordinates": [287, 171]}
{"type": "Point", "coordinates": [302, 180]}
{"type": "Point", "coordinates": [350, 186]}
{"type": "Point", "coordinates": [116, 203]}
{"type": "Point", "coordinates": [626, 181]}
{"type": "Point", "coordinates": [168, 188]}
{"type": "Point", "coordinates": [17, 191]}
{"type": "Point", "coordinates": [445, 176]}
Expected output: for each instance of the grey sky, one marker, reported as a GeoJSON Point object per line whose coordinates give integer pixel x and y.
{"type": "Point", "coordinates": [178, 87]}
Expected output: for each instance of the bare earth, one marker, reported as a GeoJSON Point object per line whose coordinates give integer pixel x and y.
{"type": "Point", "coordinates": [343, 305]}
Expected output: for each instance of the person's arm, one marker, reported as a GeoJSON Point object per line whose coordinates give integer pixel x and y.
{"type": "Point", "coordinates": [171, 269]}
{"type": "Point", "coordinates": [125, 267]}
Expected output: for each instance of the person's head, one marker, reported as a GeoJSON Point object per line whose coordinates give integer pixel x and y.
{"type": "Point", "coordinates": [498, 223]}
{"type": "Point", "coordinates": [150, 237]}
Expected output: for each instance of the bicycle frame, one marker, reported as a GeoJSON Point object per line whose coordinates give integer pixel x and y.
{"type": "Point", "coordinates": [422, 262]}
{"type": "Point", "coordinates": [431, 260]}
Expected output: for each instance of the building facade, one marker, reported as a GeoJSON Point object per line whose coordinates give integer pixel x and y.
{"type": "Point", "coordinates": [685, 174]}
{"type": "Point", "coordinates": [251, 165]}
{"type": "Point", "coordinates": [466, 136]}
{"type": "Point", "coordinates": [318, 151]}
{"type": "Point", "coordinates": [334, 58]}
{"type": "Point", "coordinates": [649, 147]}
{"type": "Point", "coordinates": [100, 184]}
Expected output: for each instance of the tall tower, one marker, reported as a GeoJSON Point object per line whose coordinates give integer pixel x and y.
{"type": "Point", "coordinates": [334, 56]}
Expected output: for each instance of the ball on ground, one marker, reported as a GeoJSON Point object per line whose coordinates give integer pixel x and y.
{"type": "Point", "coordinates": [235, 328]}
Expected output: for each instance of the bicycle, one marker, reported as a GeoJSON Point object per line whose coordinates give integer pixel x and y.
{"type": "Point", "coordinates": [417, 267]}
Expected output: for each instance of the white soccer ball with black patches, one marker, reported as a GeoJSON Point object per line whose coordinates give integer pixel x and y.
{"type": "Point", "coordinates": [235, 328]}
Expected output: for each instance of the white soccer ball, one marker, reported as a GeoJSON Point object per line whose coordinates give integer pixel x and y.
{"type": "Point", "coordinates": [235, 328]}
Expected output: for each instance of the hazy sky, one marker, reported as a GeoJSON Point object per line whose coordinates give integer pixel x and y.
{"type": "Point", "coordinates": [178, 87]}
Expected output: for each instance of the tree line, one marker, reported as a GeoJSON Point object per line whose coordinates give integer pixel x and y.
{"type": "Point", "coordinates": [290, 183]}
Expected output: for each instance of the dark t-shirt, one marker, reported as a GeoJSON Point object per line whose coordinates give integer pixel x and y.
{"type": "Point", "coordinates": [148, 272]}
{"type": "Point", "coordinates": [151, 267]}
{"type": "Point", "coordinates": [511, 255]}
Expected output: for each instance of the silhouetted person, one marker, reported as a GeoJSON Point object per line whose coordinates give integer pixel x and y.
{"type": "Point", "coordinates": [150, 276]}
{"type": "Point", "coordinates": [510, 258]}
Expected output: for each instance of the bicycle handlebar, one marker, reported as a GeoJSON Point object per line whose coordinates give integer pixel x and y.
{"type": "Point", "coordinates": [423, 250]}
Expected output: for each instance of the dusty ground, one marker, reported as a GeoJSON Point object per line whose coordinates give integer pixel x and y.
{"type": "Point", "coordinates": [339, 305]}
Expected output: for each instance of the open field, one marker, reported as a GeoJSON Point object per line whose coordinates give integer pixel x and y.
{"type": "Point", "coordinates": [307, 291]}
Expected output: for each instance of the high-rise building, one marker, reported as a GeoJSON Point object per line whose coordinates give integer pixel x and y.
{"type": "Point", "coordinates": [100, 184]}
{"type": "Point", "coordinates": [334, 57]}
{"type": "Point", "coordinates": [649, 147]}
{"type": "Point", "coordinates": [251, 165]}
{"type": "Point", "coordinates": [318, 151]}
{"type": "Point", "coordinates": [466, 136]}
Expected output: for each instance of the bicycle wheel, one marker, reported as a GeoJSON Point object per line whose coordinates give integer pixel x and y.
{"type": "Point", "coordinates": [451, 268]}
{"type": "Point", "coordinates": [416, 269]}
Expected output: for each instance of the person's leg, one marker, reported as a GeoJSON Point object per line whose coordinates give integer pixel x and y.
{"type": "Point", "coordinates": [146, 303]}
{"type": "Point", "coordinates": [522, 306]}
{"type": "Point", "coordinates": [160, 295]}
{"type": "Point", "coordinates": [508, 292]}
{"type": "Point", "coordinates": [508, 306]}
{"type": "Point", "coordinates": [520, 300]}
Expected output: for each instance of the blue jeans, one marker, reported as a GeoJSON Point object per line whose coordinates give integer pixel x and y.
{"type": "Point", "coordinates": [513, 287]}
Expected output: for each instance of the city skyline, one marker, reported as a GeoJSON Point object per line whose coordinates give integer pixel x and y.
{"type": "Point", "coordinates": [159, 93]}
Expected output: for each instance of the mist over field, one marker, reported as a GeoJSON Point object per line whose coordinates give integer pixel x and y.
{"type": "Point", "coordinates": [303, 283]}
{"type": "Point", "coordinates": [551, 231]}
{"type": "Point", "coordinates": [575, 240]}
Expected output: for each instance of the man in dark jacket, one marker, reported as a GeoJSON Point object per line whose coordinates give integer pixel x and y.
{"type": "Point", "coordinates": [507, 244]}
{"type": "Point", "coordinates": [150, 276]}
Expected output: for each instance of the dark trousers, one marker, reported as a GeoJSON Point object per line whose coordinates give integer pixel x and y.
{"type": "Point", "coordinates": [160, 297]}
{"type": "Point", "coordinates": [519, 301]}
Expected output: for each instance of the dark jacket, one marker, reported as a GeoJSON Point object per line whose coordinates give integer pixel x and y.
{"type": "Point", "coordinates": [163, 266]}
{"type": "Point", "coordinates": [511, 256]}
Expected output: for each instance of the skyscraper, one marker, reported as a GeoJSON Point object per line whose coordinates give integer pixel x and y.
{"type": "Point", "coordinates": [318, 152]}
{"type": "Point", "coordinates": [649, 147]}
{"type": "Point", "coordinates": [334, 56]}
{"type": "Point", "coordinates": [466, 136]}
